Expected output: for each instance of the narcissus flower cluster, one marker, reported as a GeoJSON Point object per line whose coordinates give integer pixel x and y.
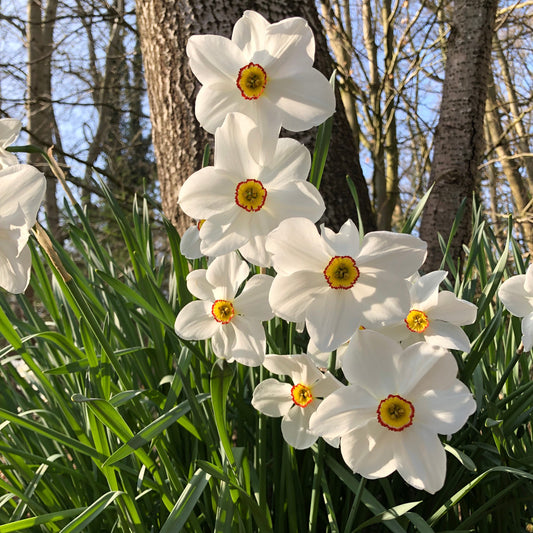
{"type": "Point", "coordinates": [22, 189]}
{"type": "Point", "coordinates": [366, 310]}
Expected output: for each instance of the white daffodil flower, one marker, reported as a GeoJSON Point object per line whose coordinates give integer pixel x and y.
{"type": "Point", "coordinates": [388, 418]}
{"type": "Point", "coordinates": [9, 131]}
{"type": "Point", "coordinates": [334, 282]}
{"type": "Point", "coordinates": [516, 294]}
{"type": "Point", "coordinates": [233, 323]}
{"type": "Point", "coordinates": [434, 317]}
{"type": "Point", "coordinates": [265, 71]}
{"type": "Point", "coordinates": [295, 403]}
{"type": "Point", "coordinates": [257, 181]}
{"type": "Point", "coordinates": [22, 189]}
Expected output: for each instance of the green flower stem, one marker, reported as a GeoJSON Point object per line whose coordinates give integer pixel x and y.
{"type": "Point", "coordinates": [319, 465]}
{"type": "Point", "coordinates": [355, 505]}
{"type": "Point", "coordinates": [263, 459]}
{"type": "Point", "coordinates": [316, 490]}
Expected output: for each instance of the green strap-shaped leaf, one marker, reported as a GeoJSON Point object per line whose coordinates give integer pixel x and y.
{"type": "Point", "coordinates": [27, 523]}
{"type": "Point", "coordinates": [152, 430]}
{"type": "Point", "coordinates": [221, 378]}
{"type": "Point", "coordinates": [189, 497]}
{"type": "Point", "coordinates": [90, 513]}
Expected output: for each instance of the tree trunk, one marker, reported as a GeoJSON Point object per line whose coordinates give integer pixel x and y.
{"type": "Point", "coordinates": [179, 142]}
{"type": "Point", "coordinates": [41, 120]}
{"type": "Point", "coordinates": [510, 167]}
{"type": "Point", "coordinates": [459, 135]}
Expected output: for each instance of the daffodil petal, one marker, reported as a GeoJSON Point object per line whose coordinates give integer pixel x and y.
{"type": "Point", "coordinates": [295, 245]}
{"type": "Point", "coordinates": [9, 131]}
{"type": "Point", "coordinates": [24, 186]}
{"type": "Point", "coordinates": [228, 272]}
{"type": "Point", "coordinates": [381, 297]}
{"type": "Point", "coordinates": [215, 101]}
{"type": "Point", "coordinates": [250, 342]}
{"type": "Point", "coordinates": [527, 332]}
{"type": "Point", "coordinates": [253, 300]}
{"type": "Point", "coordinates": [224, 233]}
{"type": "Point", "coordinates": [444, 411]}
{"type": "Point", "coordinates": [369, 451]}
{"type": "Point", "coordinates": [447, 335]}
{"type": "Point", "coordinates": [453, 309]}
{"type": "Point", "coordinates": [332, 319]}
{"type": "Point", "coordinates": [290, 161]}
{"type": "Point", "coordinates": [223, 341]}
{"type": "Point", "coordinates": [528, 282]}
{"type": "Point", "coordinates": [15, 271]}
{"type": "Point", "coordinates": [255, 252]}
{"type": "Point", "coordinates": [344, 410]}
{"type": "Point", "coordinates": [195, 321]}
{"type": "Point", "coordinates": [295, 427]}
{"type": "Point", "coordinates": [299, 198]}
{"type": "Point", "coordinates": [292, 43]}
{"type": "Point", "coordinates": [513, 296]}
{"type": "Point", "coordinates": [370, 360]}
{"type": "Point", "coordinates": [272, 397]}
{"type": "Point", "coordinates": [209, 67]}
{"type": "Point", "coordinates": [232, 142]}
{"type": "Point", "coordinates": [345, 242]}
{"type": "Point", "coordinates": [207, 192]}
{"type": "Point", "coordinates": [421, 459]}
{"type": "Point", "coordinates": [190, 243]}
{"type": "Point", "coordinates": [424, 292]}
{"type": "Point", "coordinates": [301, 109]}
{"type": "Point", "coordinates": [381, 249]}
{"type": "Point", "coordinates": [291, 295]}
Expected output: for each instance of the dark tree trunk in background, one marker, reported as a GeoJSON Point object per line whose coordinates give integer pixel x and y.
{"type": "Point", "coordinates": [179, 141]}
{"type": "Point", "coordinates": [41, 120]}
{"type": "Point", "coordinates": [459, 136]}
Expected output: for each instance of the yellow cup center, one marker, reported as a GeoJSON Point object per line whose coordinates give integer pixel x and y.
{"type": "Point", "coordinates": [341, 272]}
{"type": "Point", "coordinates": [301, 395]}
{"type": "Point", "coordinates": [416, 321]}
{"type": "Point", "coordinates": [251, 81]}
{"type": "Point", "coordinates": [250, 195]}
{"type": "Point", "coordinates": [222, 311]}
{"type": "Point", "coordinates": [395, 413]}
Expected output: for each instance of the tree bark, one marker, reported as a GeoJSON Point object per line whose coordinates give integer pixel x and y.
{"type": "Point", "coordinates": [459, 134]}
{"type": "Point", "coordinates": [41, 119]}
{"type": "Point", "coordinates": [510, 167]}
{"type": "Point", "coordinates": [179, 142]}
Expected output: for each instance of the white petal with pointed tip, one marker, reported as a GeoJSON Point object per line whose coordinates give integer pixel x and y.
{"type": "Point", "coordinates": [190, 243]}
{"type": "Point", "coordinates": [344, 410]}
{"type": "Point", "coordinates": [367, 452]}
{"type": "Point", "coordinates": [290, 296]}
{"type": "Point", "coordinates": [272, 397]}
{"type": "Point", "coordinates": [453, 309]}
{"type": "Point", "coordinates": [447, 335]}
{"type": "Point", "coordinates": [514, 297]}
{"type": "Point", "coordinates": [227, 272]}
{"type": "Point", "coordinates": [424, 292]}
{"type": "Point", "coordinates": [421, 459]}
{"type": "Point", "coordinates": [195, 321]}
{"type": "Point", "coordinates": [295, 426]}
{"type": "Point", "coordinates": [332, 318]}
{"type": "Point", "coordinates": [381, 249]}
{"type": "Point", "coordinates": [444, 411]}
{"type": "Point", "coordinates": [295, 245]}
{"type": "Point", "coordinates": [253, 300]}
